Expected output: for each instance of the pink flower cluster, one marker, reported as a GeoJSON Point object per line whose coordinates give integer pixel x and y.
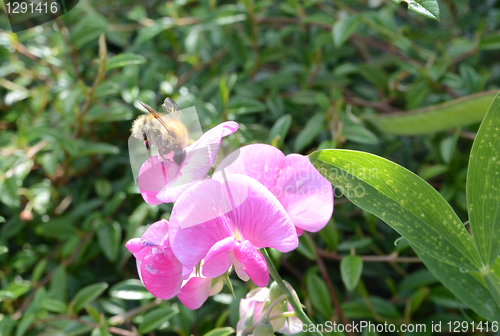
{"type": "Point", "coordinates": [257, 198]}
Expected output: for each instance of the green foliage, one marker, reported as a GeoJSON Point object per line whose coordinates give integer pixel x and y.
{"type": "Point", "coordinates": [299, 75]}
{"type": "Point", "coordinates": [350, 270]}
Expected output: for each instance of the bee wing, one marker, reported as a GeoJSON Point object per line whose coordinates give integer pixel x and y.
{"type": "Point", "coordinates": [157, 116]}
{"type": "Point", "coordinates": [171, 108]}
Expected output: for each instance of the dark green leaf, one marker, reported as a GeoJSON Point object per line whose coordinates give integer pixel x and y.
{"type": "Point", "coordinates": [87, 295]}
{"type": "Point", "coordinates": [155, 318]}
{"type": "Point", "coordinates": [350, 271]}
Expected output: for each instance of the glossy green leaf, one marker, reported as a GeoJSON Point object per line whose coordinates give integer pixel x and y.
{"type": "Point", "coordinates": [87, 295]}
{"type": "Point", "coordinates": [350, 271]}
{"type": "Point", "coordinates": [330, 235]}
{"type": "Point", "coordinates": [427, 8]}
{"type": "Point", "coordinates": [124, 59]}
{"type": "Point", "coordinates": [344, 28]}
{"type": "Point", "coordinates": [318, 294]}
{"type": "Point", "coordinates": [306, 247]}
{"type": "Point", "coordinates": [155, 318]}
{"type": "Point", "coordinates": [280, 130]}
{"type": "Point", "coordinates": [131, 289]}
{"type": "Point", "coordinates": [459, 112]}
{"type": "Point", "coordinates": [401, 199]}
{"type": "Point", "coordinates": [311, 130]}
{"type": "Point", "coordinates": [225, 331]}
{"type": "Point", "coordinates": [466, 286]}
{"type": "Point", "coordinates": [109, 237]}
{"type": "Point", "coordinates": [483, 185]}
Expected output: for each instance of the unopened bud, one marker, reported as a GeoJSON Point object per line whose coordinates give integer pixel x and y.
{"type": "Point", "coordinates": [264, 328]}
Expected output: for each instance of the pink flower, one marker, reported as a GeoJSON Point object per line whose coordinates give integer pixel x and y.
{"type": "Point", "coordinates": [163, 275]}
{"type": "Point", "coordinates": [162, 181]}
{"type": "Point", "coordinates": [226, 224]}
{"type": "Point", "coordinates": [304, 193]}
{"type": "Point", "coordinates": [254, 306]}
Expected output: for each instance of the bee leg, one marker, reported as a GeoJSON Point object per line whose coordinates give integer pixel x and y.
{"type": "Point", "coordinates": [179, 156]}
{"type": "Point", "coordinates": [147, 144]}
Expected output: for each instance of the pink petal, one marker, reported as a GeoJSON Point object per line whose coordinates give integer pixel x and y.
{"type": "Point", "coordinates": [206, 216]}
{"type": "Point", "coordinates": [259, 161]}
{"type": "Point", "coordinates": [161, 273]}
{"type": "Point", "coordinates": [156, 232]}
{"type": "Point", "coordinates": [306, 195]}
{"type": "Point", "coordinates": [253, 262]}
{"type": "Point", "coordinates": [153, 176]}
{"type": "Point", "coordinates": [217, 262]}
{"type": "Point", "coordinates": [199, 159]}
{"type": "Point", "coordinates": [195, 292]}
{"type": "Point", "coordinates": [261, 219]}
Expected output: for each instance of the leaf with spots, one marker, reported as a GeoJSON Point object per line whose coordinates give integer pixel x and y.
{"type": "Point", "coordinates": [401, 199]}
{"type": "Point", "coordinates": [483, 185]}
{"type": "Point", "coordinates": [468, 287]}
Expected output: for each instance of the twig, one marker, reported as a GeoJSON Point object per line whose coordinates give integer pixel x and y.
{"type": "Point", "coordinates": [379, 106]}
{"type": "Point", "coordinates": [331, 289]}
{"type": "Point", "coordinates": [121, 318]}
{"type": "Point", "coordinates": [68, 261]}
{"type": "Point", "coordinates": [185, 76]}
{"type": "Point", "coordinates": [370, 258]}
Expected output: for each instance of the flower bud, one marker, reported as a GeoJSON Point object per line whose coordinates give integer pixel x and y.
{"type": "Point", "coordinates": [264, 328]}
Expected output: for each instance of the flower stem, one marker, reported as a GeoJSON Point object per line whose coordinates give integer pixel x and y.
{"type": "Point", "coordinates": [295, 305]}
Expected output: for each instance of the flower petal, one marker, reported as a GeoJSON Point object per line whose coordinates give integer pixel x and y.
{"type": "Point", "coordinates": [258, 217]}
{"type": "Point", "coordinates": [200, 157]}
{"type": "Point", "coordinates": [156, 232]}
{"type": "Point", "coordinates": [217, 261]}
{"type": "Point", "coordinates": [305, 194]}
{"type": "Point", "coordinates": [253, 262]}
{"type": "Point", "coordinates": [195, 292]}
{"type": "Point", "coordinates": [161, 273]}
{"type": "Point", "coordinates": [153, 176]}
{"type": "Point", "coordinates": [259, 161]}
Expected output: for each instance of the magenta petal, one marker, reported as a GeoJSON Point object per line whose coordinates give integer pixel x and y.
{"type": "Point", "coordinates": [153, 176]}
{"type": "Point", "coordinates": [200, 157]}
{"type": "Point", "coordinates": [161, 273]}
{"type": "Point", "coordinates": [156, 232]}
{"type": "Point", "coordinates": [254, 263]}
{"type": "Point", "coordinates": [306, 195]}
{"type": "Point", "coordinates": [217, 261]}
{"type": "Point", "coordinates": [195, 292]}
{"type": "Point", "coordinates": [261, 218]}
{"type": "Point", "coordinates": [134, 245]}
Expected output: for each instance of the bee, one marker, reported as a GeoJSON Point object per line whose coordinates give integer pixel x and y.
{"type": "Point", "coordinates": [168, 134]}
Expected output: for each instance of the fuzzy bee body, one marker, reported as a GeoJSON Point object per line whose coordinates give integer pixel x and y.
{"type": "Point", "coordinates": [168, 134]}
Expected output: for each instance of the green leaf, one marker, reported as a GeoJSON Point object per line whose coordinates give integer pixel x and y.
{"type": "Point", "coordinates": [401, 199]}
{"type": "Point", "coordinates": [306, 247]}
{"type": "Point", "coordinates": [280, 130]}
{"type": "Point", "coordinates": [87, 295]}
{"type": "Point", "coordinates": [427, 8]}
{"type": "Point", "coordinates": [330, 235]}
{"type": "Point", "coordinates": [109, 237]}
{"type": "Point", "coordinates": [155, 318]}
{"type": "Point", "coordinates": [25, 322]}
{"type": "Point", "coordinates": [131, 289]}
{"type": "Point", "coordinates": [350, 271]}
{"type": "Point", "coordinates": [318, 293]}
{"type": "Point", "coordinates": [494, 286]}
{"type": "Point", "coordinates": [3, 249]}
{"type": "Point", "coordinates": [54, 305]}
{"type": "Point", "coordinates": [123, 60]}
{"type": "Point", "coordinates": [344, 28]}
{"type": "Point", "coordinates": [311, 130]}
{"type": "Point", "coordinates": [98, 148]}
{"type": "Point", "coordinates": [483, 185]}
{"type": "Point", "coordinates": [468, 287]}
{"type": "Point", "coordinates": [225, 331]}
{"type": "Point", "coordinates": [358, 309]}
{"type": "Point", "coordinates": [459, 112]}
